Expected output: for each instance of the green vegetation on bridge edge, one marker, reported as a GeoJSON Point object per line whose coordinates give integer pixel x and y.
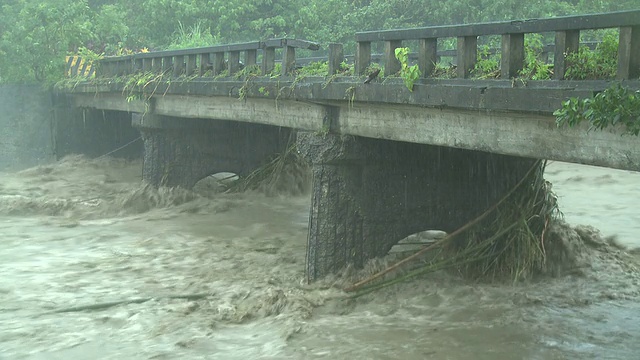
{"type": "Point", "coordinates": [617, 106]}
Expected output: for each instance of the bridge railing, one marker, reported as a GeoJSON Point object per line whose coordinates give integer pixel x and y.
{"type": "Point", "coordinates": [121, 65]}
{"type": "Point", "coordinates": [567, 40]}
{"type": "Point", "coordinates": [198, 61]}
{"type": "Point", "coordinates": [378, 58]}
{"type": "Point", "coordinates": [216, 59]}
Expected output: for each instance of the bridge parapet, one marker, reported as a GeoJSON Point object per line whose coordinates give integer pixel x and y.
{"type": "Point", "coordinates": [567, 36]}
{"type": "Point", "coordinates": [197, 61]}
{"type": "Point", "coordinates": [214, 60]}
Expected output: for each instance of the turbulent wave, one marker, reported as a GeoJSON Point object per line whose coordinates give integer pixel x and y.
{"type": "Point", "coordinates": [579, 260]}
{"type": "Point", "coordinates": [80, 187]}
{"type": "Point", "coordinates": [148, 197]}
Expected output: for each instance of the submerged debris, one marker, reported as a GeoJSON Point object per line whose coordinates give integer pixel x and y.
{"type": "Point", "coordinates": [287, 173]}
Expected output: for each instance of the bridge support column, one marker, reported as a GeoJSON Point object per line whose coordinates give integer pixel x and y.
{"type": "Point", "coordinates": [368, 194]}
{"type": "Point", "coordinates": [180, 152]}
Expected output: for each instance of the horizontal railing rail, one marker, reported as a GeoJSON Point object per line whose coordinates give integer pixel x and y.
{"type": "Point", "coordinates": [76, 66]}
{"type": "Point", "coordinates": [567, 40]}
{"type": "Point", "coordinates": [564, 23]}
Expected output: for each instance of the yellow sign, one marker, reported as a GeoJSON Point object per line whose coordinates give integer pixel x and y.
{"type": "Point", "coordinates": [77, 66]}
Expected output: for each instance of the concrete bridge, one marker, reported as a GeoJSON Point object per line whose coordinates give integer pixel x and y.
{"type": "Point", "coordinates": [387, 162]}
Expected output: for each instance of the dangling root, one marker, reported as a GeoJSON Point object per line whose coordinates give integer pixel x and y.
{"type": "Point", "coordinates": [287, 172]}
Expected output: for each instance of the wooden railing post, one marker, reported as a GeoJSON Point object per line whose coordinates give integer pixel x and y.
{"type": "Point", "coordinates": [132, 66]}
{"type": "Point", "coordinates": [115, 68]}
{"type": "Point", "coordinates": [233, 62]}
{"type": "Point", "coordinates": [363, 57]}
{"type": "Point", "coordinates": [146, 64]}
{"type": "Point", "coordinates": [204, 62]}
{"type": "Point", "coordinates": [250, 57]}
{"type": "Point", "coordinates": [567, 42]}
{"type": "Point", "coordinates": [336, 57]}
{"type": "Point", "coordinates": [427, 56]}
{"type": "Point", "coordinates": [190, 62]}
{"type": "Point", "coordinates": [112, 69]}
{"type": "Point", "coordinates": [512, 57]}
{"type": "Point", "coordinates": [167, 64]}
{"type": "Point", "coordinates": [288, 59]}
{"type": "Point", "coordinates": [391, 64]}
{"type": "Point", "coordinates": [137, 65]}
{"type": "Point", "coordinates": [218, 63]}
{"type": "Point", "coordinates": [104, 69]}
{"type": "Point", "coordinates": [629, 53]}
{"type": "Point", "coordinates": [268, 60]}
{"type": "Point", "coordinates": [118, 68]}
{"type": "Point", "coordinates": [156, 65]}
{"type": "Point", "coordinates": [178, 65]}
{"type": "Point", "coordinates": [467, 55]}
{"type": "Point", "coordinates": [123, 67]}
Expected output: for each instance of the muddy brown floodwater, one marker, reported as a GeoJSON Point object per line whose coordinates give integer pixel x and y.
{"type": "Point", "coordinates": [84, 232]}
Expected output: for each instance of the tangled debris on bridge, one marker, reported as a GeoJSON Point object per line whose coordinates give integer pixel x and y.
{"type": "Point", "coordinates": [506, 242]}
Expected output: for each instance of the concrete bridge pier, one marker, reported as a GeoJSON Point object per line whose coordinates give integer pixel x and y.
{"type": "Point", "coordinates": [181, 151]}
{"type": "Point", "coordinates": [368, 194]}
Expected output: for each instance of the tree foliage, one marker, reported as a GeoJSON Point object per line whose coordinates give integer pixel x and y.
{"type": "Point", "coordinates": [617, 106]}
{"type": "Point", "coordinates": [36, 35]}
{"type": "Point", "coordinates": [34, 48]}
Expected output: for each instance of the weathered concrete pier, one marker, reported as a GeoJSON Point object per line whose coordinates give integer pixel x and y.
{"type": "Point", "coordinates": [387, 162]}
{"type": "Point", "coordinates": [369, 193]}
{"type": "Point", "coordinates": [179, 152]}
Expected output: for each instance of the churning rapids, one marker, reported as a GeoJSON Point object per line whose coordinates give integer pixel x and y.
{"type": "Point", "coordinates": [222, 278]}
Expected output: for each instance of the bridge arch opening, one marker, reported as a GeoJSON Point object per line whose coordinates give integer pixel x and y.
{"type": "Point", "coordinates": [217, 182]}
{"type": "Point", "coordinates": [417, 241]}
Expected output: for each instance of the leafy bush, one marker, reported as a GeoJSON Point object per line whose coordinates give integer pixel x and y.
{"type": "Point", "coordinates": [410, 74]}
{"type": "Point", "coordinates": [617, 105]}
{"type": "Point", "coordinates": [34, 46]}
{"type": "Point", "coordinates": [601, 63]}
{"type": "Point", "coordinates": [488, 65]}
{"type": "Point", "coordinates": [316, 68]}
{"type": "Point", "coordinates": [535, 67]}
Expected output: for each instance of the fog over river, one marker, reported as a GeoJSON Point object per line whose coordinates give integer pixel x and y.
{"type": "Point", "coordinates": [220, 276]}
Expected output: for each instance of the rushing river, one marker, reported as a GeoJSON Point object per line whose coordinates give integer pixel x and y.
{"type": "Point", "coordinates": [210, 275]}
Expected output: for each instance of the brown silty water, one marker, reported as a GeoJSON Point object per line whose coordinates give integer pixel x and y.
{"type": "Point", "coordinates": [225, 276]}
